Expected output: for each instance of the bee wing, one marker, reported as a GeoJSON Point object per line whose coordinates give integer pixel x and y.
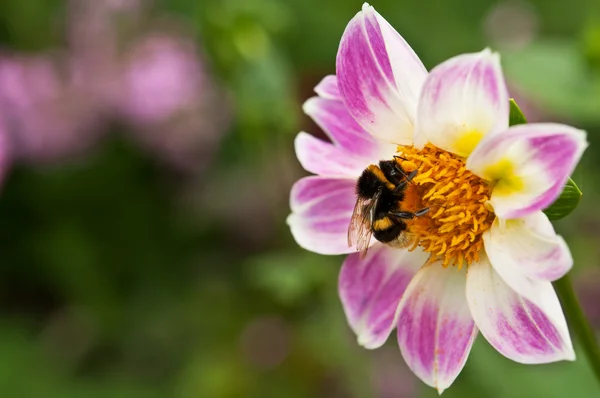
{"type": "Point", "coordinates": [360, 231]}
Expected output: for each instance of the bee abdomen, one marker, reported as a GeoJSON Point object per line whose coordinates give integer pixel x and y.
{"type": "Point", "coordinates": [385, 230]}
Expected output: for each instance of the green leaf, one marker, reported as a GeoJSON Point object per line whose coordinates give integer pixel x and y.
{"type": "Point", "coordinates": [569, 198]}
{"type": "Point", "coordinates": [566, 202]}
{"type": "Point", "coordinates": [516, 115]}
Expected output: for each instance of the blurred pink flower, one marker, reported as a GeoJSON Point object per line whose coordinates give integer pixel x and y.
{"type": "Point", "coordinates": [94, 56]}
{"type": "Point", "coordinates": [46, 119]}
{"type": "Point", "coordinates": [163, 77]}
{"type": "Point", "coordinates": [168, 98]}
{"type": "Point", "coordinates": [154, 81]}
{"type": "Point", "coordinates": [5, 150]}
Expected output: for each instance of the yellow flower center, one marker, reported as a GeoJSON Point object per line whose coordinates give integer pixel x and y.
{"type": "Point", "coordinates": [467, 142]}
{"type": "Point", "coordinates": [505, 179]}
{"type": "Point", "coordinates": [452, 229]}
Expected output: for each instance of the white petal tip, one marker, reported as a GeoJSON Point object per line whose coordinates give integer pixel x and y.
{"type": "Point", "coordinates": [366, 341]}
{"type": "Point", "coordinates": [289, 219]}
{"type": "Point", "coordinates": [440, 390]}
{"type": "Point", "coordinates": [488, 53]}
{"type": "Point", "coordinates": [366, 6]}
{"type": "Point", "coordinates": [558, 357]}
{"type": "Point", "coordinates": [570, 356]}
{"type": "Point", "coordinates": [309, 106]}
{"type": "Point", "coordinates": [301, 135]}
{"type": "Point", "coordinates": [581, 136]}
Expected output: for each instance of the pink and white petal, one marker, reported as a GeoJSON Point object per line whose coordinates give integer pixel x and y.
{"type": "Point", "coordinates": [370, 289]}
{"type": "Point", "coordinates": [328, 88]}
{"type": "Point", "coordinates": [463, 100]}
{"type": "Point", "coordinates": [529, 165]}
{"type": "Point", "coordinates": [527, 247]}
{"type": "Point", "coordinates": [321, 211]}
{"type": "Point", "coordinates": [435, 327]}
{"type": "Point", "coordinates": [529, 330]}
{"type": "Point", "coordinates": [326, 159]}
{"type": "Point", "coordinates": [333, 117]}
{"type": "Point", "coordinates": [380, 77]}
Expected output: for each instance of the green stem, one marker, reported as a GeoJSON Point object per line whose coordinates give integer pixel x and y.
{"type": "Point", "coordinates": [578, 322]}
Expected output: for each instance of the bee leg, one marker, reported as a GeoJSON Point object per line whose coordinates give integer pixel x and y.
{"type": "Point", "coordinates": [406, 215]}
{"type": "Point", "coordinates": [407, 178]}
{"type": "Point", "coordinates": [400, 187]}
{"type": "Point", "coordinates": [419, 213]}
{"type": "Point", "coordinates": [398, 169]}
{"type": "Point", "coordinates": [411, 175]}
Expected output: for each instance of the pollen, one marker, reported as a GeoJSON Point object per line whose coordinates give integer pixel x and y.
{"type": "Point", "coordinates": [452, 230]}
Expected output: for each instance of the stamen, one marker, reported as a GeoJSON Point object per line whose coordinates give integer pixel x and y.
{"type": "Point", "coordinates": [452, 230]}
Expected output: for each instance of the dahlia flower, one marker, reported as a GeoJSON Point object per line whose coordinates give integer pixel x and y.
{"type": "Point", "coordinates": [483, 257]}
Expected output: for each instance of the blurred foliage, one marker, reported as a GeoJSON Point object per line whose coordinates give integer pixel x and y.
{"type": "Point", "coordinates": [121, 277]}
{"type": "Point", "coordinates": [568, 87]}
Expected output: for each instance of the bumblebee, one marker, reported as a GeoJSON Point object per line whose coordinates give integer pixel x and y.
{"type": "Point", "coordinates": [378, 211]}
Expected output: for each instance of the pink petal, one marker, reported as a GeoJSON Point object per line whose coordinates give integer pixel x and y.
{"type": "Point", "coordinates": [328, 88]}
{"type": "Point", "coordinates": [370, 289]}
{"type": "Point", "coordinates": [463, 99]}
{"type": "Point", "coordinates": [321, 211]}
{"type": "Point", "coordinates": [435, 328]}
{"type": "Point", "coordinates": [527, 330]}
{"type": "Point", "coordinates": [530, 165]}
{"type": "Point", "coordinates": [325, 159]}
{"type": "Point", "coordinates": [379, 77]}
{"type": "Point", "coordinates": [527, 247]}
{"type": "Point", "coordinates": [333, 117]}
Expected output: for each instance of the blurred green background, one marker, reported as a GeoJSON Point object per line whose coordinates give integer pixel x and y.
{"type": "Point", "coordinates": [147, 153]}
